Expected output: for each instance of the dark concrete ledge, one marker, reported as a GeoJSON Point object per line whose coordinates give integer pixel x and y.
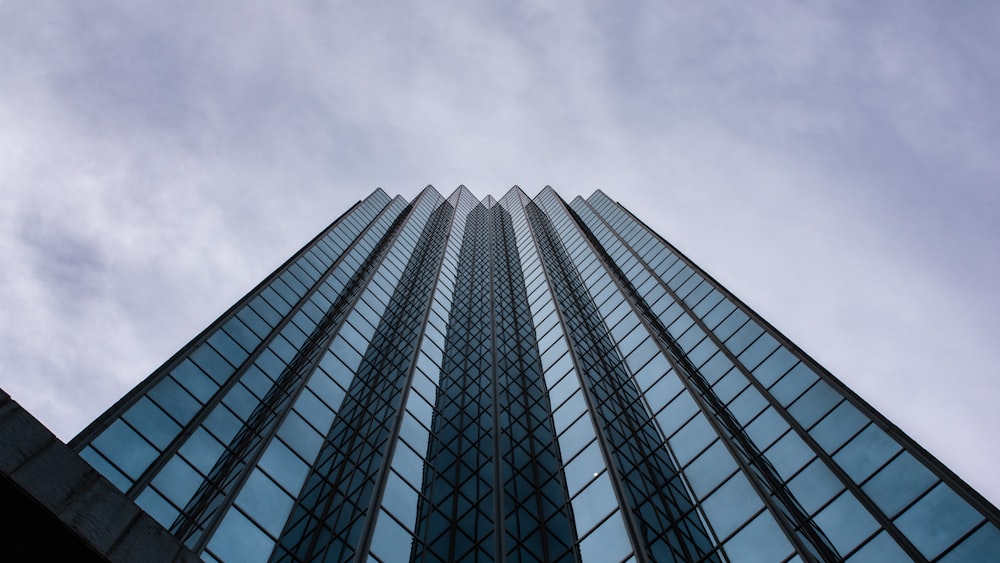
{"type": "Point", "coordinates": [57, 507]}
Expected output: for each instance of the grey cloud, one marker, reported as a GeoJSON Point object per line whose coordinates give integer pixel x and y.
{"type": "Point", "coordinates": [833, 165]}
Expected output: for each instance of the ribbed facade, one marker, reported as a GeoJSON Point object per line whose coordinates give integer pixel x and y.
{"type": "Point", "coordinates": [517, 380]}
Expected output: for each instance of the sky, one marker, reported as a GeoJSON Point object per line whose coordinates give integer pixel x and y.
{"type": "Point", "coordinates": [834, 164]}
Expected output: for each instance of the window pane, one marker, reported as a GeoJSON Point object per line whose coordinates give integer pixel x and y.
{"type": "Point", "coordinates": [897, 484]}
{"type": "Point", "coordinates": [732, 505]}
{"type": "Point", "coordinates": [937, 521]}
{"type": "Point", "coordinates": [762, 541]}
{"type": "Point", "coordinates": [846, 522]}
{"type": "Point", "coordinates": [237, 539]}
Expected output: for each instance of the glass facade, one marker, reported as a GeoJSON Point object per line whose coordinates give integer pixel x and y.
{"type": "Point", "coordinates": [523, 379]}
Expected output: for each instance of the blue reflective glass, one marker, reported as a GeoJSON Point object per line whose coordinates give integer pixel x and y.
{"type": "Point", "coordinates": [173, 399]}
{"type": "Point", "coordinates": [879, 549]}
{"type": "Point", "coordinates": [608, 542]}
{"type": "Point", "coordinates": [774, 367]}
{"type": "Point", "coordinates": [814, 486]}
{"type": "Point", "coordinates": [981, 547]}
{"type": "Point", "coordinates": [835, 429]}
{"type": "Point", "coordinates": [214, 365]}
{"type": "Point", "coordinates": [178, 481]}
{"type": "Point", "coordinates": [710, 469]}
{"type": "Point", "coordinates": [390, 541]}
{"type": "Point", "coordinates": [788, 454]}
{"type": "Point", "coordinates": [238, 539]}
{"type": "Point", "coordinates": [814, 403]}
{"type": "Point", "coordinates": [937, 521]}
{"type": "Point", "coordinates": [284, 466]}
{"type": "Point", "coordinates": [155, 505]}
{"type": "Point", "coordinates": [674, 415]}
{"type": "Point", "coordinates": [194, 381]}
{"type": "Point", "coordinates": [897, 484]}
{"type": "Point", "coordinates": [663, 391]}
{"type": "Point", "coordinates": [731, 505]}
{"type": "Point", "coordinates": [112, 474]}
{"type": "Point", "coordinates": [202, 450]}
{"type": "Point", "coordinates": [760, 349]}
{"type": "Point", "coordinates": [766, 428]}
{"type": "Point", "coordinates": [152, 423]}
{"type": "Point", "coordinates": [126, 449]}
{"type": "Point", "coordinates": [584, 467]}
{"type": "Point", "coordinates": [400, 499]}
{"type": "Point", "coordinates": [864, 453]}
{"type": "Point", "coordinates": [690, 440]}
{"type": "Point", "coordinates": [593, 504]}
{"type": "Point", "coordinates": [846, 522]}
{"type": "Point", "coordinates": [789, 387]}
{"type": "Point", "coordinates": [761, 541]}
{"type": "Point", "coordinates": [265, 502]}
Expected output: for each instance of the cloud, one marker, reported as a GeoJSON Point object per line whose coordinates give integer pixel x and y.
{"type": "Point", "coordinates": [835, 167]}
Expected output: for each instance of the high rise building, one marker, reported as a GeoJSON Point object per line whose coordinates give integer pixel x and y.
{"type": "Point", "coordinates": [524, 380]}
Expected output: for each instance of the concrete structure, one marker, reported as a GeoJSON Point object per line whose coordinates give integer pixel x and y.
{"type": "Point", "coordinates": [58, 508]}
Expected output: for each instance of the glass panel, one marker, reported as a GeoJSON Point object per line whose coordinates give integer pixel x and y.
{"type": "Point", "coordinates": [937, 521]}
{"type": "Point", "coordinates": [609, 542]}
{"type": "Point", "coordinates": [788, 454]}
{"type": "Point", "coordinates": [897, 484]}
{"type": "Point", "coordinates": [202, 450]}
{"type": "Point", "coordinates": [760, 349]}
{"type": "Point", "coordinates": [879, 550]}
{"type": "Point", "coordinates": [390, 541]}
{"type": "Point", "coordinates": [126, 449]}
{"type": "Point", "coordinates": [762, 541]}
{"type": "Point", "coordinates": [400, 499]}
{"type": "Point", "coordinates": [157, 507]}
{"type": "Point", "coordinates": [177, 481]}
{"type": "Point", "coordinates": [676, 413]}
{"type": "Point", "coordinates": [262, 499]}
{"type": "Point", "coordinates": [732, 505]}
{"type": "Point", "coordinates": [981, 547]}
{"type": "Point", "coordinates": [284, 466]}
{"type": "Point", "coordinates": [774, 367]}
{"type": "Point", "coordinates": [710, 469]}
{"type": "Point", "coordinates": [815, 403]}
{"type": "Point", "coordinates": [98, 462]}
{"type": "Point", "coordinates": [766, 428]}
{"type": "Point", "coordinates": [691, 439]}
{"type": "Point", "coordinates": [815, 485]}
{"type": "Point", "coordinates": [789, 387]}
{"type": "Point", "coordinates": [593, 504]}
{"type": "Point", "coordinates": [237, 539]}
{"type": "Point", "coordinates": [831, 432]}
{"type": "Point", "coordinates": [866, 452]}
{"type": "Point", "coordinates": [846, 522]}
{"type": "Point", "coordinates": [194, 380]}
{"type": "Point", "coordinates": [584, 467]}
{"type": "Point", "coordinates": [177, 402]}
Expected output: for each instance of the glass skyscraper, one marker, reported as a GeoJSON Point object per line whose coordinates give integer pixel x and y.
{"type": "Point", "coordinates": [454, 379]}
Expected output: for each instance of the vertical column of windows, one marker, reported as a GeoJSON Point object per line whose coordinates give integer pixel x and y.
{"type": "Point", "coordinates": [393, 531]}
{"type": "Point", "coordinates": [660, 505]}
{"type": "Point", "coordinates": [537, 515]}
{"type": "Point", "coordinates": [185, 490]}
{"type": "Point", "coordinates": [801, 415]}
{"type": "Point", "coordinates": [279, 380]}
{"type": "Point", "coordinates": [455, 518]}
{"type": "Point", "coordinates": [763, 477]}
{"type": "Point", "coordinates": [597, 520]}
{"type": "Point", "coordinates": [130, 437]}
{"type": "Point", "coordinates": [329, 515]}
{"type": "Point", "coordinates": [293, 394]}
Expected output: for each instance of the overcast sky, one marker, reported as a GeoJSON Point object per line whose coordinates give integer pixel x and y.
{"type": "Point", "coordinates": [834, 164]}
